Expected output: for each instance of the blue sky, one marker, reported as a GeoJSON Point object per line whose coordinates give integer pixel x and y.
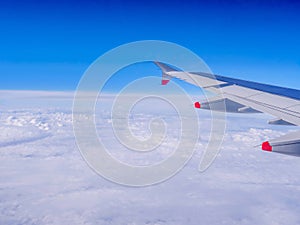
{"type": "Point", "coordinates": [48, 45]}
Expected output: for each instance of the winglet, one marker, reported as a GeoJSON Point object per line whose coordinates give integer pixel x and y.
{"type": "Point", "coordinates": [165, 69]}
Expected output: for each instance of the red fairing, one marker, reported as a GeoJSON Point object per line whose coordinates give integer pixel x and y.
{"type": "Point", "coordinates": [197, 105]}
{"type": "Point", "coordinates": [164, 82]}
{"type": "Point", "coordinates": [266, 146]}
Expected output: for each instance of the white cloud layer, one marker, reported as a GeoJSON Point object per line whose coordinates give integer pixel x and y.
{"type": "Point", "coordinates": [44, 180]}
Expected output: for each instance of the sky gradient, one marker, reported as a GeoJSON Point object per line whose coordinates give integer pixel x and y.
{"type": "Point", "coordinates": [48, 45]}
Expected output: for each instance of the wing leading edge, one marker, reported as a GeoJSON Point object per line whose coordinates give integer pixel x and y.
{"type": "Point", "coordinates": [241, 96]}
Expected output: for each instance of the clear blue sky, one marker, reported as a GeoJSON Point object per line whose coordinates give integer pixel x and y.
{"type": "Point", "coordinates": [47, 45]}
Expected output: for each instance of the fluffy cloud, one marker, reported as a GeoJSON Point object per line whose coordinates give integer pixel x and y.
{"type": "Point", "coordinates": [44, 179]}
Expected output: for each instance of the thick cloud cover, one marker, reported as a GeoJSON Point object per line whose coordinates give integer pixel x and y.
{"type": "Point", "coordinates": [44, 179]}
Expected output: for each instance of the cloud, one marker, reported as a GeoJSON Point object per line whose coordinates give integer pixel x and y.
{"type": "Point", "coordinates": [44, 179]}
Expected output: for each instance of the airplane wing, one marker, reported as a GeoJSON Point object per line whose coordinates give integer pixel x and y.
{"type": "Point", "coordinates": [242, 96]}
